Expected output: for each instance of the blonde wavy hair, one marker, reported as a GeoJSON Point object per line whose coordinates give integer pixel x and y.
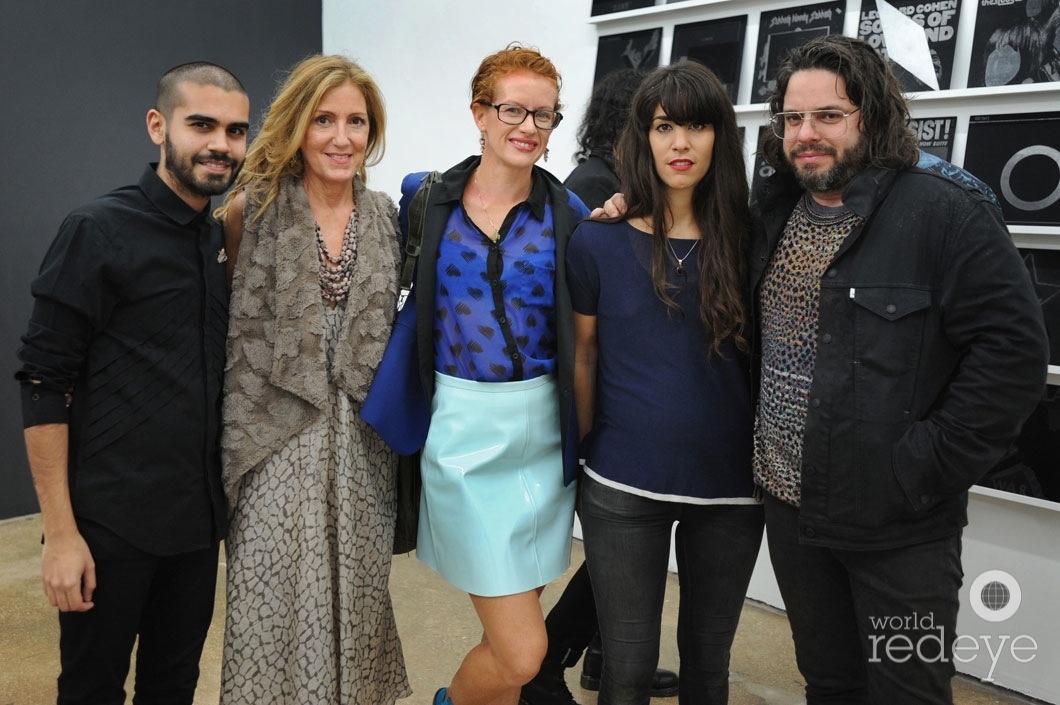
{"type": "Point", "coordinates": [276, 151]}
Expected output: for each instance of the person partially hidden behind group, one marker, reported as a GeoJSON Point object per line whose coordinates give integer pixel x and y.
{"type": "Point", "coordinates": [310, 485]}
{"type": "Point", "coordinates": [496, 351]}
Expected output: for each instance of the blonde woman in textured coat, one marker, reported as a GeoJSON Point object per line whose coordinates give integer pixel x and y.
{"type": "Point", "coordinates": [314, 259]}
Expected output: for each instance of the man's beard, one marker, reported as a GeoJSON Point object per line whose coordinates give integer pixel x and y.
{"type": "Point", "coordinates": [182, 168]}
{"type": "Point", "coordinates": [840, 174]}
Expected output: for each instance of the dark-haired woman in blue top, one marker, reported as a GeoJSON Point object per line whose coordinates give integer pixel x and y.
{"type": "Point", "coordinates": [662, 389]}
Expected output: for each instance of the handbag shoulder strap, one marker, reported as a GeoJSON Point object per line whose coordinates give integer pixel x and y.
{"type": "Point", "coordinates": [417, 211]}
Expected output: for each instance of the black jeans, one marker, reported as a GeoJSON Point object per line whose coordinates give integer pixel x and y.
{"type": "Point", "coordinates": [167, 601]}
{"type": "Point", "coordinates": [870, 627]}
{"type": "Point", "coordinates": [627, 548]}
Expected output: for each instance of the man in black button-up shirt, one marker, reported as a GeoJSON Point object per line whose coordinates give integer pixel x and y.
{"type": "Point", "coordinates": [121, 379]}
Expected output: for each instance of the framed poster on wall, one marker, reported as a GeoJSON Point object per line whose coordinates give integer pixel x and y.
{"type": "Point", "coordinates": [606, 7]}
{"type": "Point", "coordinates": [782, 30]}
{"type": "Point", "coordinates": [629, 50]}
{"type": "Point", "coordinates": [939, 20]}
{"type": "Point", "coordinates": [1018, 156]}
{"type": "Point", "coordinates": [717, 44]}
{"type": "Point", "coordinates": [1015, 41]}
{"type": "Point", "coordinates": [935, 135]}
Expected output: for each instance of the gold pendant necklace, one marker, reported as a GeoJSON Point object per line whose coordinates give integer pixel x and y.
{"type": "Point", "coordinates": [482, 204]}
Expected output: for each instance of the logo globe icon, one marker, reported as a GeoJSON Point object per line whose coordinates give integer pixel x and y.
{"type": "Point", "coordinates": [995, 596]}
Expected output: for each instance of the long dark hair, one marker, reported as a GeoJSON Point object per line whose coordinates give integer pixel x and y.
{"type": "Point", "coordinates": [689, 92]}
{"type": "Point", "coordinates": [870, 85]}
{"type": "Point", "coordinates": [606, 115]}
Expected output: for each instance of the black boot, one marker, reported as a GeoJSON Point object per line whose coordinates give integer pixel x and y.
{"type": "Point", "coordinates": [547, 688]}
{"type": "Point", "coordinates": [664, 683]}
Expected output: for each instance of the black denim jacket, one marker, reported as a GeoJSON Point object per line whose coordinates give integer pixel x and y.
{"type": "Point", "coordinates": [931, 353]}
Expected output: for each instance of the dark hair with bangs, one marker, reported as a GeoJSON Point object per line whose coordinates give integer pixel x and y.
{"type": "Point", "coordinates": [870, 85]}
{"type": "Point", "coordinates": [690, 93]}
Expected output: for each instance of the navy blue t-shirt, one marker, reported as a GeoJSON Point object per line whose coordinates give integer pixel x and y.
{"type": "Point", "coordinates": [673, 419]}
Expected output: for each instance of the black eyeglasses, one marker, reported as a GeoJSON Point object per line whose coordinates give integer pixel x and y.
{"type": "Point", "coordinates": [512, 114]}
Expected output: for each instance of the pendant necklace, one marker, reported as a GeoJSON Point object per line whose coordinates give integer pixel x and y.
{"type": "Point", "coordinates": [681, 260]}
{"type": "Point", "coordinates": [496, 231]}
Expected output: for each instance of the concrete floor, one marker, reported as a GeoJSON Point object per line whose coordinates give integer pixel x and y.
{"type": "Point", "coordinates": [437, 626]}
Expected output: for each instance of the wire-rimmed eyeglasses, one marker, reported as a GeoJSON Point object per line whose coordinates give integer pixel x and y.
{"type": "Point", "coordinates": [512, 114]}
{"type": "Point", "coordinates": [828, 123]}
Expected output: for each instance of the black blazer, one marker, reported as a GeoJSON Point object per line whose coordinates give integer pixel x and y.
{"type": "Point", "coordinates": [565, 213]}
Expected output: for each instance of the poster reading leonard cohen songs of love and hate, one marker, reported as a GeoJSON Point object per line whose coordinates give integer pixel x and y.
{"type": "Point", "coordinates": [1018, 156]}
{"type": "Point", "coordinates": [939, 18]}
{"type": "Point", "coordinates": [782, 30]}
{"type": "Point", "coordinates": [1015, 41]}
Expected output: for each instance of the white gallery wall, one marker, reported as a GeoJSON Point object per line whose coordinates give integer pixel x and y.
{"type": "Point", "coordinates": [423, 54]}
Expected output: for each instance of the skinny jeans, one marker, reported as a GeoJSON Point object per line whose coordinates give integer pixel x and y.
{"type": "Point", "coordinates": [627, 548]}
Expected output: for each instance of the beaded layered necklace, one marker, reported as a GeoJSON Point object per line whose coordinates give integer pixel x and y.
{"type": "Point", "coordinates": [336, 273]}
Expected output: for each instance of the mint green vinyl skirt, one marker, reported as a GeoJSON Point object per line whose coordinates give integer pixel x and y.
{"type": "Point", "coordinates": [495, 518]}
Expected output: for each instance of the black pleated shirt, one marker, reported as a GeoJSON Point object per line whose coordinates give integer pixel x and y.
{"type": "Point", "coordinates": [126, 345]}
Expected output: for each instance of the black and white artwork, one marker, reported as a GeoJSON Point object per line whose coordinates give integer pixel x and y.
{"type": "Point", "coordinates": [782, 30]}
{"type": "Point", "coordinates": [1015, 41]}
{"type": "Point", "coordinates": [717, 44]}
{"type": "Point", "coordinates": [938, 21]}
{"type": "Point", "coordinates": [935, 135]}
{"type": "Point", "coordinates": [606, 7]}
{"type": "Point", "coordinates": [1018, 156]}
{"type": "Point", "coordinates": [630, 50]}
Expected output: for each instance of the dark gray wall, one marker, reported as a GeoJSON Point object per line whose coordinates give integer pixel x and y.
{"type": "Point", "coordinates": [76, 82]}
